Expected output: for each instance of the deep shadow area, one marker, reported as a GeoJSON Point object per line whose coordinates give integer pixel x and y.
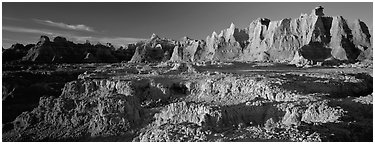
{"type": "Point", "coordinates": [244, 68]}
{"type": "Point", "coordinates": [359, 120]}
{"type": "Point", "coordinates": [334, 88]}
{"type": "Point", "coordinates": [315, 51]}
{"type": "Point", "coordinates": [24, 84]}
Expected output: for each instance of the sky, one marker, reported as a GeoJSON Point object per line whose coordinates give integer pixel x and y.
{"type": "Point", "coordinates": [126, 22]}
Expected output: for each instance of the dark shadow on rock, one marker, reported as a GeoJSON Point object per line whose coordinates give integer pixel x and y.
{"type": "Point", "coordinates": [22, 90]}
{"type": "Point", "coordinates": [244, 115]}
{"type": "Point", "coordinates": [334, 88]}
{"type": "Point", "coordinates": [315, 51]}
{"type": "Point", "coordinates": [358, 121]}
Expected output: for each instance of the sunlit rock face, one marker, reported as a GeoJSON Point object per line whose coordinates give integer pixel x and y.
{"type": "Point", "coordinates": [225, 46]}
{"type": "Point", "coordinates": [316, 37]}
{"type": "Point", "coordinates": [188, 50]}
{"type": "Point", "coordinates": [311, 38]}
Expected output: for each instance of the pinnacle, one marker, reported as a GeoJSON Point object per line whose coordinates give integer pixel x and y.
{"type": "Point", "coordinates": [232, 26]}
{"type": "Point", "coordinates": [154, 36]}
{"type": "Point", "coordinates": [318, 11]}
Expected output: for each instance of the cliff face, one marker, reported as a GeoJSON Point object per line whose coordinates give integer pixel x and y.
{"type": "Point", "coordinates": [309, 38]}
{"type": "Point", "coordinates": [279, 41]}
{"type": "Point", "coordinates": [224, 46]}
{"type": "Point", "coordinates": [188, 50]}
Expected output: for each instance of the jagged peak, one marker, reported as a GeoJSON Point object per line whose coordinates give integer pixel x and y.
{"type": "Point", "coordinates": [185, 38]}
{"type": "Point", "coordinates": [358, 21]}
{"type": "Point", "coordinates": [265, 21]}
{"type": "Point", "coordinates": [214, 34]}
{"type": "Point", "coordinates": [339, 18]}
{"type": "Point", "coordinates": [44, 38]}
{"type": "Point", "coordinates": [232, 26]}
{"type": "Point", "coordinates": [303, 15]}
{"type": "Point", "coordinates": [154, 36]}
{"type": "Point", "coordinates": [318, 11]}
{"type": "Point", "coordinates": [221, 33]}
{"type": "Point", "coordinates": [207, 38]}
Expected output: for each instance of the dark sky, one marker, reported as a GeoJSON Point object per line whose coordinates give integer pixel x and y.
{"type": "Point", "coordinates": [120, 23]}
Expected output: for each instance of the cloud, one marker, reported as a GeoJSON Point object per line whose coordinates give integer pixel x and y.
{"type": "Point", "coordinates": [26, 30]}
{"type": "Point", "coordinates": [80, 27]}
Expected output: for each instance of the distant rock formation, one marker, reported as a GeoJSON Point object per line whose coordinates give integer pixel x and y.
{"type": "Point", "coordinates": [127, 52]}
{"type": "Point", "coordinates": [60, 50]}
{"type": "Point", "coordinates": [63, 51]}
{"type": "Point", "coordinates": [15, 52]}
{"type": "Point", "coordinates": [153, 50]}
{"type": "Point", "coordinates": [310, 38]}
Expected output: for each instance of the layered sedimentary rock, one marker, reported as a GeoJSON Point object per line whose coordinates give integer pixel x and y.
{"type": "Point", "coordinates": [304, 40]}
{"type": "Point", "coordinates": [227, 45]}
{"type": "Point", "coordinates": [362, 39]}
{"type": "Point", "coordinates": [188, 50]}
{"type": "Point", "coordinates": [315, 37]}
{"type": "Point", "coordinates": [224, 46]}
{"type": "Point", "coordinates": [85, 108]}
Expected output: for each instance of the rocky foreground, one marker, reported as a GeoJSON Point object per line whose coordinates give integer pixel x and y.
{"type": "Point", "coordinates": [204, 102]}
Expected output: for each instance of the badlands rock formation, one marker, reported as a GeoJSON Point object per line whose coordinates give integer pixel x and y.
{"type": "Point", "coordinates": [175, 102]}
{"type": "Point", "coordinates": [309, 39]}
{"type": "Point", "coordinates": [153, 50]}
{"type": "Point", "coordinates": [61, 50]}
{"type": "Point", "coordinates": [15, 52]}
{"type": "Point", "coordinates": [187, 50]}
{"type": "Point", "coordinates": [198, 90]}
